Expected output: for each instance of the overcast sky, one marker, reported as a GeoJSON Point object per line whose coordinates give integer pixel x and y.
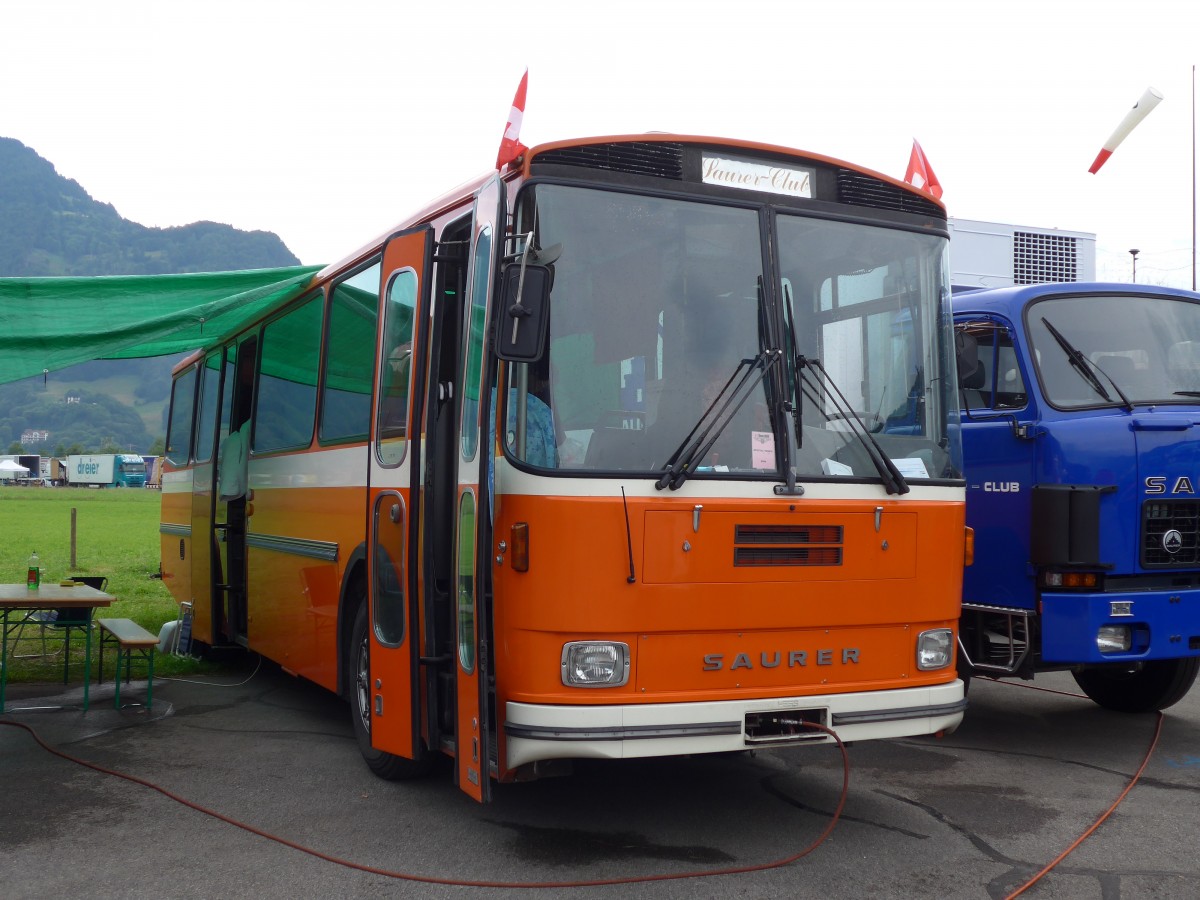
{"type": "Point", "coordinates": [327, 122]}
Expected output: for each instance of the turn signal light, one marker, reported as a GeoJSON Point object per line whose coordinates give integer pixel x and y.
{"type": "Point", "coordinates": [969, 548]}
{"type": "Point", "coordinates": [520, 547]}
{"type": "Point", "coordinates": [1072, 580]}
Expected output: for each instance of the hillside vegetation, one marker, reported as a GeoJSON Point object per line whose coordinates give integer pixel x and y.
{"type": "Point", "coordinates": [51, 226]}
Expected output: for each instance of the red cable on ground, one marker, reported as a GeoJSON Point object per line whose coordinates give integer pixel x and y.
{"type": "Point", "coordinates": [429, 879]}
{"type": "Point", "coordinates": [1108, 812]}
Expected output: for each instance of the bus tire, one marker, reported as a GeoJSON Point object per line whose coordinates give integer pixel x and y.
{"type": "Point", "coordinates": [358, 677]}
{"type": "Point", "coordinates": [1156, 685]}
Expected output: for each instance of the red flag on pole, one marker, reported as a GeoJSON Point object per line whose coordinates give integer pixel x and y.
{"type": "Point", "coordinates": [510, 147]}
{"type": "Point", "coordinates": [1150, 98]}
{"type": "Point", "coordinates": [920, 173]}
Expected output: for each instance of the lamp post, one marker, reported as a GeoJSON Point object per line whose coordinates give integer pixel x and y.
{"type": "Point", "coordinates": [1134, 254]}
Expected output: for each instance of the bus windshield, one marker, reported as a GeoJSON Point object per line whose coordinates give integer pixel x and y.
{"type": "Point", "coordinates": [1129, 349]}
{"type": "Point", "coordinates": [660, 304]}
{"type": "Point", "coordinates": [871, 305]}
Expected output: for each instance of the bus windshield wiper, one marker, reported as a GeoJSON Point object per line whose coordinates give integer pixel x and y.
{"type": "Point", "coordinates": [1086, 368]}
{"type": "Point", "coordinates": [713, 421]}
{"type": "Point", "coordinates": [893, 480]}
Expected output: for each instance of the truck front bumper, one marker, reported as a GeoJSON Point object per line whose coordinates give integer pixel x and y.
{"type": "Point", "coordinates": [1163, 625]}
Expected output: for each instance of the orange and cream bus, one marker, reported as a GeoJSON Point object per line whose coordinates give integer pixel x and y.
{"type": "Point", "coordinates": [640, 446]}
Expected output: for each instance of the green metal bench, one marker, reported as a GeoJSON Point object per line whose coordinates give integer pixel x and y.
{"type": "Point", "coordinates": [129, 638]}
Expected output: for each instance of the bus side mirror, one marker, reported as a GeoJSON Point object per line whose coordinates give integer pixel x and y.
{"type": "Point", "coordinates": [523, 319]}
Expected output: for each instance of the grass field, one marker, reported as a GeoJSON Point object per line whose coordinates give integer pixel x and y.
{"type": "Point", "coordinates": [116, 533]}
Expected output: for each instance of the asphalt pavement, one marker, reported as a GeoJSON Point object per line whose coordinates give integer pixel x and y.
{"type": "Point", "coordinates": [251, 785]}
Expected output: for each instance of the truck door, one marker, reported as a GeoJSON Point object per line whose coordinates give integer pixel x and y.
{"type": "Point", "coordinates": [999, 453]}
{"type": "Point", "coordinates": [394, 633]}
{"type": "Point", "coordinates": [472, 519]}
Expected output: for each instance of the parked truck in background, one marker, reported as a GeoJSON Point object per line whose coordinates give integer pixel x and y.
{"type": "Point", "coordinates": [32, 464]}
{"type": "Point", "coordinates": [56, 473]}
{"type": "Point", "coordinates": [106, 470]}
{"type": "Point", "coordinates": [1081, 440]}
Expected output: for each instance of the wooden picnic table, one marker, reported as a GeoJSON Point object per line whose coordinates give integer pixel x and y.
{"type": "Point", "coordinates": [17, 598]}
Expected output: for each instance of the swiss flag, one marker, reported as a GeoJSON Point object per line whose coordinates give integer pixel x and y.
{"type": "Point", "coordinates": [920, 173]}
{"type": "Point", "coordinates": [510, 147]}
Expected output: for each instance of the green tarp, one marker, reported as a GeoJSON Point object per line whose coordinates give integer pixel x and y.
{"type": "Point", "coordinates": [52, 323]}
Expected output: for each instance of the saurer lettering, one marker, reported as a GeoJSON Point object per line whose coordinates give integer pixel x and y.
{"type": "Point", "coordinates": [770, 659]}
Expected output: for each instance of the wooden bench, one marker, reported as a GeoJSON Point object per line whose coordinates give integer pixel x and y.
{"type": "Point", "coordinates": [129, 638]}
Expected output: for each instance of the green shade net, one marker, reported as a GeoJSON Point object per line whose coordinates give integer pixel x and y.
{"type": "Point", "coordinates": [52, 323]}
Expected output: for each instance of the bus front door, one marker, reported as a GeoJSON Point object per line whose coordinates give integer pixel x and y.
{"type": "Point", "coordinates": [394, 632]}
{"type": "Point", "coordinates": [472, 521]}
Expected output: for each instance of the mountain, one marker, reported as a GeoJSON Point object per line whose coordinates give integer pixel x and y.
{"type": "Point", "coordinates": [49, 225]}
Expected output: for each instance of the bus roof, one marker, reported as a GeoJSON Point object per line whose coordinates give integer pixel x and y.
{"type": "Point", "coordinates": [51, 323]}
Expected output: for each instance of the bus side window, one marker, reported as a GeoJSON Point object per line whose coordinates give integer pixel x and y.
{"type": "Point", "coordinates": [179, 427]}
{"type": "Point", "coordinates": [346, 391]}
{"type": "Point", "coordinates": [395, 371]}
{"type": "Point", "coordinates": [286, 406]}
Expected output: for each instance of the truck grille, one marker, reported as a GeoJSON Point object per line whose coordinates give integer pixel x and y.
{"type": "Point", "coordinates": [1170, 534]}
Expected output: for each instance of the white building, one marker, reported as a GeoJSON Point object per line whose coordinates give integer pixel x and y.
{"type": "Point", "coordinates": [992, 254]}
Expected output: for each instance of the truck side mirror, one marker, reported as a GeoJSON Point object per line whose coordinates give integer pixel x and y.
{"type": "Point", "coordinates": [523, 319]}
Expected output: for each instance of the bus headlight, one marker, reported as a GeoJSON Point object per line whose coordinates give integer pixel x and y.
{"type": "Point", "coordinates": [1114, 638]}
{"type": "Point", "coordinates": [935, 648]}
{"type": "Point", "coordinates": [595, 664]}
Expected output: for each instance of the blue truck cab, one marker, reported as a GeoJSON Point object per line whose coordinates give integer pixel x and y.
{"type": "Point", "coordinates": [1080, 416]}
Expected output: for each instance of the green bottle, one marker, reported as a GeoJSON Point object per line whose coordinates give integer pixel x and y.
{"type": "Point", "coordinates": [33, 578]}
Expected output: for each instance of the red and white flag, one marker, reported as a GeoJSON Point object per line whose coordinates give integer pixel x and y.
{"type": "Point", "coordinates": [1150, 99]}
{"type": "Point", "coordinates": [920, 173]}
{"type": "Point", "coordinates": [510, 147]}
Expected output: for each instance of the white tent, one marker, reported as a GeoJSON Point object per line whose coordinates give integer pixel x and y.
{"type": "Point", "coordinates": [10, 467]}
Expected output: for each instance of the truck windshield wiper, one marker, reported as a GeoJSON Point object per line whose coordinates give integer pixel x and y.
{"type": "Point", "coordinates": [1086, 368]}
{"type": "Point", "coordinates": [893, 480]}
{"type": "Point", "coordinates": [713, 421]}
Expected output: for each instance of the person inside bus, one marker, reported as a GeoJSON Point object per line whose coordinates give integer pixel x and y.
{"type": "Point", "coordinates": [232, 462]}
{"type": "Point", "coordinates": [542, 437]}
{"type": "Point", "coordinates": [233, 457]}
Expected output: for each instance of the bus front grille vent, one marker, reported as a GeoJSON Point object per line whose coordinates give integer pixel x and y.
{"type": "Point", "coordinates": [1171, 534]}
{"type": "Point", "coordinates": [787, 545]}
{"type": "Point", "coordinates": [863, 190]}
{"type": "Point", "coordinates": [661, 160]}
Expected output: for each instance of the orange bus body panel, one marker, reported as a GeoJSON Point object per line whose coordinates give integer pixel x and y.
{"type": "Point", "coordinates": [874, 603]}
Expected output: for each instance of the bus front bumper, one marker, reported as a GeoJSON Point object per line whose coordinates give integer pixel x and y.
{"type": "Point", "coordinates": [539, 732]}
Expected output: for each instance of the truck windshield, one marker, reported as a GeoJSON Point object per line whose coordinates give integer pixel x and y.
{"type": "Point", "coordinates": [1141, 346]}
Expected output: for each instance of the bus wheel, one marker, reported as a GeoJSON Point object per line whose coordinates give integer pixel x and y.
{"type": "Point", "coordinates": [1154, 685]}
{"type": "Point", "coordinates": [385, 765]}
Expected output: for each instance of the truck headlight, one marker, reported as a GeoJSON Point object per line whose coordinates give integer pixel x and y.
{"type": "Point", "coordinates": [935, 648]}
{"type": "Point", "coordinates": [595, 664]}
{"type": "Point", "coordinates": [1114, 638]}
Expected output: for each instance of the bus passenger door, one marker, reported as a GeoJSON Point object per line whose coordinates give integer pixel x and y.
{"type": "Point", "coordinates": [395, 641]}
{"type": "Point", "coordinates": [232, 494]}
{"type": "Point", "coordinates": [472, 522]}
{"type": "Point", "coordinates": [206, 536]}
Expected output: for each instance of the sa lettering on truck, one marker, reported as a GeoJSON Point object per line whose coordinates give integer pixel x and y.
{"type": "Point", "coordinates": [656, 440]}
{"type": "Point", "coordinates": [1083, 397]}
